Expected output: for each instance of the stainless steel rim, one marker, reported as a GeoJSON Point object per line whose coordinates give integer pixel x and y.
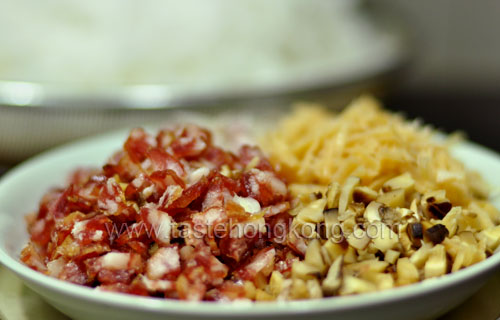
{"type": "Point", "coordinates": [163, 96]}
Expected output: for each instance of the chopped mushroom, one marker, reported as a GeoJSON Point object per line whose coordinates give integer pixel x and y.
{"type": "Point", "coordinates": [364, 194]}
{"type": "Point", "coordinates": [358, 238]}
{"type": "Point", "coordinates": [385, 238]}
{"type": "Point", "coordinates": [299, 289]}
{"type": "Point", "coordinates": [314, 289]}
{"type": "Point", "coordinates": [389, 216]}
{"type": "Point", "coordinates": [451, 220]}
{"type": "Point", "coordinates": [372, 212]}
{"type": "Point", "coordinates": [353, 285]}
{"type": "Point", "coordinates": [333, 279]}
{"type": "Point", "coordinates": [419, 257]}
{"type": "Point", "coordinates": [464, 250]}
{"type": "Point", "coordinates": [313, 212]}
{"type": "Point", "coordinates": [407, 272]}
{"type": "Point", "coordinates": [404, 239]}
{"type": "Point", "coordinates": [276, 283]}
{"type": "Point", "coordinates": [313, 255]}
{"type": "Point", "coordinates": [365, 267]}
{"type": "Point", "coordinates": [437, 233]}
{"type": "Point", "coordinates": [305, 271]}
{"type": "Point", "coordinates": [416, 233]}
{"type": "Point", "coordinates": [404, 181]}
{"type": "Point", "coordinates": [346, 193]}
{"type": "Point", "coordinates": [437, 263]}
{"type": "Point", "coordinates": [391, 256]}
{"type": "Point", "coordinates": [333, 250]}
{"type": "Point", "coordinates": [394, 198]}
{"type": "Point", "coordinates": [439, 210]}
{"type": "Point", "coordinates": [381, 280]}
{"type": "Point", "coordinates": [332, 223]}
{"type": "Point", "coordinates": [491, 237]}
{"type": "Point", "coordinates": [332, 195]}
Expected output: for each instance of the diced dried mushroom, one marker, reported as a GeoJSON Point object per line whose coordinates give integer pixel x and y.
{"type": "Point", "coordinates": [404, 239]}
{"type": "Point", "coordinates": [363, 267]}
{"type": "Point", "coordinates": [451, 220]}
{"type": "Point", "coordinates": [406, 213]}
{"type": "Point", "coordinates": [439, 210]}
{"type": "Point", "coordinates": [407, 272]}
{"type": "Point", "coordinates": [389, 216]}
{"type": "Point", "coordinates": [299, 289]}
{"type": "Point", "coordinates": [364, 194]}
{"type": "Point", "coordinates": [357, 208]}
{"type": "Point", "coordinates": [384, 238]}
{"type": "Point", "coordinates": [380, 255]}
{"type": "Point", "coordinates": [276, 283]}
{"type": "Point", "coordinates": [349, 223]}
{"type": "Point", "coordinates": [346, 193]}
{"type": "Point", "coordinates": [305, 271]}
{"type": "Point", "coordinates": [332, 195]}
{"type": "Point", "coordinates": [404, 181]}
{"type": "Point", "coordinates": [464, 250]}
{"type": "Point", "coordinates": [377, 240]}
{"type": "Point", "coordinates": [437, 233]}
{"type": "Point", "coordinates": [314, 289]}
{"type": "Point", "coordinates": [313, 212]}
{"type": "Point", "coordinates": [437, 263]}
{"type": "Point", "coordinates": [393, 198]}
{"type": "Point", "coordinates": [350, 255]}
{"type": "Point", "coordinates": [415, 233]}
{"type": "Point", "coordinates": [419, 257]}
{"type": "Point", "coordinates": [333, 279]}
{"type": "Point", "coordinates": [372, 212]}
{"type": "Point", "coordinates": [304, 228]}
{"type": "Point", "coordinates": [332, 224]}
{"type": "Point", "coordinates": [313, 255]}
{"type": "Point", "coordinates": [358, 238]}
{"type": "Point", "coordinates": [381, 280]}
{"type": "Point", "coordinates": [391, 256]}
{"type": "Point", "coordinates": [353, 285]}
{"type": "Point", "coordinates": [491, 237]}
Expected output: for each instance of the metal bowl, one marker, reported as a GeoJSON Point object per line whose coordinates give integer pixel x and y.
{"type": "Point", "coordinates": [36, 116]}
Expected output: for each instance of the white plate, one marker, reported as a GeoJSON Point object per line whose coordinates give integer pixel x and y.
{"type": "Point", "coordinates": [21, 189]}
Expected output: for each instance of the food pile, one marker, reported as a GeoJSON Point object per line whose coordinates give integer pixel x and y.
{"type": "Point", "coordinates": [384, 204]}
{"type": "Point", "coordinates": [171, 215]}
{"type": "Point", "coordinates": [358, 202]}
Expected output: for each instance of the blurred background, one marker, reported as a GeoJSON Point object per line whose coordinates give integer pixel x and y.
{"type": "Point", "coordinates": [71, 68]}
{"type": "Point", "coordinates": [454, 78]}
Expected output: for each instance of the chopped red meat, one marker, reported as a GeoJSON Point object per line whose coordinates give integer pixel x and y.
{"type": "Point", "coordinates": [171, 215]}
